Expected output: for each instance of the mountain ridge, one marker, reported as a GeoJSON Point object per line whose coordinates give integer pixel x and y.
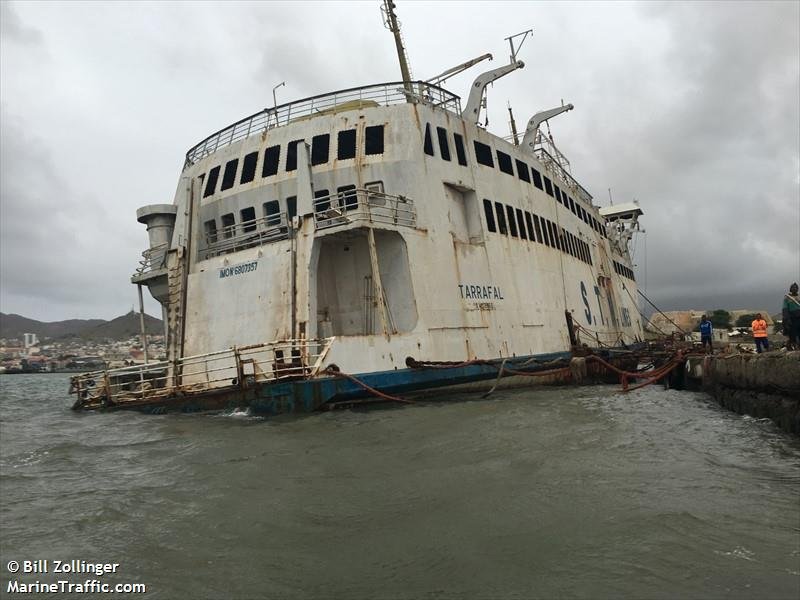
{"type": "Point", "coordinates": [13, 326]}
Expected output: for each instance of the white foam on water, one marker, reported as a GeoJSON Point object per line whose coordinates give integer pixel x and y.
{"type": "Point", "coordinates": [738, 552]}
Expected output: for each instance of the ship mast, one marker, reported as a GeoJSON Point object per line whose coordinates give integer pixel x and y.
{"type": "Point", "coordinates": [393, 25]}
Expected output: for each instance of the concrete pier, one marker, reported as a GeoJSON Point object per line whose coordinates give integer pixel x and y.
{"type": "Point", "coordinates": [760, 385]}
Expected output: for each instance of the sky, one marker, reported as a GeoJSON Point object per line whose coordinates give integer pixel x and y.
{"type": "Point", "coordinates": [692, 109]}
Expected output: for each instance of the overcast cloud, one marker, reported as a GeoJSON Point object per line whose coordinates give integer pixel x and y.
{"type": "Point", "coordinates": [693, 109]}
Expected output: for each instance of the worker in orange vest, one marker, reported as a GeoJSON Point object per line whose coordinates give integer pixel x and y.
{"type": "Point", "coordinates": [759, 326]}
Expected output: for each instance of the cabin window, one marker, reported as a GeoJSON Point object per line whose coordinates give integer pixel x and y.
{"type": "Point", "coordinates": [428, 140]}
{"type": "Point", "coordinates": [546, 232]}
{"type": "Point", "coordinates": [483, 154]}
{"type": "Point", "coordinates": [320, 148]}
{"type": "Point", "coordinates": [272, 157]}
{"type": "Point", "coordinates": [249, 167]}
{"type": "Point", "coordinates": [291, 206]}
{"type": "Point", "coordinates": [211, 184]}
{"type": "Point", "coordinates": [571, 203]}
{"type": "Point", "coordinates": [460, 153]}
{"type": "Point", "coordinates": [521, 223]}
{"type": "Point", "coordinates": [229, 177]}
{"type": "Point", "coordinates": [522, 171]}
{"type": "Point", "coordinates": [322, 200]}
{"type": "Point", "coordinates": [272, 212]}
{"type": "Point", "coordinates": [228, 225]}
{"type": "Point", "coordinates": [573, 247]}
{"type": "Point", "coordinates": [557, 192]}
{"type": "Point", "coordinates": [504, 163]}
{"type": "Point", "coordinates": [548, 187]}
{"type": "Point", "coordinates": [537, 178]}
{"type": "Point", "coordinates": [348, 200]}
{"type": "Point", "coordinates": [512, 222]}
{"type": "Point", "coordinates": [291, 155]}
{"type": "Point", "coordinates": [489, 213]}
{"type": "Point", "coordinates": [373, 139]}
{"type": "Point", "coordinates": [211, 231]}
{"type": "Point", "coordinates": [501, 218]}
{"type": "Point", "coordinates": [444, 148]}
{"type": "Point", "coordinates": [248, 216]}
{"type": "Point", "coordinates": [538, 228]}
{"type": "Point", "coordinates": [346, 144]}
{"type": "Point", "coordinates": [529, 223]}
{"type": "Point", "coordinates": [551, 229]}
{"type": "Point", "coordinates": [583, 214]}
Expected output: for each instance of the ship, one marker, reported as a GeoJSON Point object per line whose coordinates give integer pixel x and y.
{"type": "Point", "coordinates": [373, 242]}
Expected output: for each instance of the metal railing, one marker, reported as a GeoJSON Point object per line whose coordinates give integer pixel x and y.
{"type": "Point", "coordinates": [153, 259]}
{"type": "Point", "coordinates": [383, 94]}
{"type": "Point", "coordinates": [245, 235]}
{"type": "Point", "coordinates": [234, 368]}
{"type": "Point", "coordinates": [363, 205]}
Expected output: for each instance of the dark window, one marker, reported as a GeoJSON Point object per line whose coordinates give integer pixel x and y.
{"type": "Point", "coordinates": [583, 214]}
{"type": "Point", "coordinates": [460, 154]}
{"type": "Point", "coordinates": [537, 226]}
{"type": "Point", "coordinates": [548, 187]}
{"type": "Point", "coordinates": [512, 222]}
{"type": "Point", "coordinates": [211, 231]}
{"type": "Point", "coordinates": [521, 223]}
{"type": "Point", "coordinates": [291, 206]}
{"type": "Point", "coordinates": [272, 157]}
{"type": "Point", "coordinates": [248, 219]}
{"type": "Point", "coordinates": [211, 184]}
{"type": "Point", "coordinates": [319, 202]}
{"type": "Point", "coordinates": [501, 218]}
{"type": "Point", "coordinates": [373, 139]}
{"type": "Point", "coordinates": [547, 232]}
{"type": "Point", "coordinates": [291, 154]}
{"type": "Point", "coordinates": [428, 140]}
{"type": "Point", "coordinates": [249, 167]}
{"type": "Point", "coordinates": [347, 144]}
{"type": "Point", "coordinates": [557, 192]}
{"type": "Point", "coordinates": [320, 149]}
{"type": "Point", "coordinates": [444, 148]}
{"type": "Point", "coordinates": [229, 177]}
{"type": "Point", "coordinates": [489, 213]}
{"type": "Point", "coordinates": [571, 204]}
{"type": "Point", "coordinates": [504, 163]}
{"type": "Point", "coordinates": [554, 235]}
{"type": "Point", "coordinates": [272, 212]}
{"type": "Point", "coordinates": [522, 171]}
{"type": "Point", "coordinates": [537, 178]}
{"type": "Point", "coordinates": [347, 197]}
{"type": "Point", "coordinates": [529, 223]}
{"type": "Point", "coordinates": [573, 247]}
{"type": "Point", "coordinates": [228, 225]}
{"type": "Point", "coordinates": [483, 154]}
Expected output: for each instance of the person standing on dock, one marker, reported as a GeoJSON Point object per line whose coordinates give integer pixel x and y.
{"type": "Point", "coordinates": [706, 331]}
{"type": "Point", "coordinates": [759, 326]}
{"type": "Point", "coordinates": [791, 318]}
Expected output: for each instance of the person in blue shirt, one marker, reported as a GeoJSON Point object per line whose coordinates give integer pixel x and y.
{"type": "Point", "coordinates": [705, 333]}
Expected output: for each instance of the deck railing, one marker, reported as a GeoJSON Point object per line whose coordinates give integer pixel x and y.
{"type": "Point", "coordinates": [234, 368]}
{"type": "Point", "coordinates": [153, 259]}
{"type": "Point", "coordinates": [383, 94]}
{"type": "Point", "coordinates": [361, 205]}
{"type": "Point", "coordinates": [245, 235]}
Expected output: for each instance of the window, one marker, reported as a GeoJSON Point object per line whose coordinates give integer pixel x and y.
{"type": "Point", "coordinates": [583, 214]}
{"type": "Point", "coordinates": [229, 177]}
{"type": "Point", "coordinates": [272, 212]}
{"type": "Point", "coordinates": [272, 157]}
{"type": "Point", "coordinates": [320, 148]}
{"type": "Point", "coordinates": [249, 167]}
{"type": "Point", "coordinates": [248, 216]}
{"type": "Point", "coordinates": [346, 144]}
{"type": "Point", "coordinates": [504, 163]}
{"type": "Point", "coordinates": [322, 200]}
{"type": "Point", "coordinates": [291, 155]}
{"type": "Point", "coordinates": [521, 223]}
{"type": "Point", "coordinates": [522, 171]}
{"type": "Point", "coordinates": [211, 231]}
{"type": "Point", "coordinates": [489, 213]}
{"type": "Point", "coordinates": [291, 206]}
{"type": "Point", "coordinates": [211, 184]}
{"type": "Point", "coordinates": [460, 154]}
{"type": "Point", "coordinates": [529, 223]}
{"type": "Point", "coordinates": [444, 148]}
{"type": "Point", "coordinates": [548, 187]}
{"type": "Point", "coordinates": [537, 178]}
{"type": "Point", "coordinates": [553, 237]}
{"type": "Point", "coordinates": [537, 225]}
{"type": "Point", "coordinates": [501, 218]}
{"type": "Point", "coordinates": [228, 225]}
{"type": "Point", "coordinates": [348, 199]}
{"type": "Point", "coordinates": [546, 232]}
{"type": "Point", "coordinates": [512, 222]}
{"type": "Point", "coordinates": [557, 193]}
{"type": "Point", "coordinates": [428, 140]}
{"type": "Point", "coordinates": [373, 139]}
{"type": "Point", "coordinates": [483, 154]}
{"type": "Point", "coordinates": [571, 204]}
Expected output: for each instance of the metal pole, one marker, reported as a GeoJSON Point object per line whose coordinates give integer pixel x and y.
{"type": "Point", "coordinates": [398, 41]}
{"type": "Point", "coordinates": [141, 321]}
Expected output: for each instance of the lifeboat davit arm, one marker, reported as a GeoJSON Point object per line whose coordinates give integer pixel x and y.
{"type": "Point", "coordinates": [536, 120]}
{"type": "Point", "coordinates": [473, 109]}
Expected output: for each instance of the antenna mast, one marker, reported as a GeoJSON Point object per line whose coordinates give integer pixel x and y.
{"type": "Point", "coordinates": [392, 24]}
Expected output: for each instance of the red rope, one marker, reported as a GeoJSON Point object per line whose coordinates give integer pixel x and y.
{"type": "Point", "coordinates": [370, 389]}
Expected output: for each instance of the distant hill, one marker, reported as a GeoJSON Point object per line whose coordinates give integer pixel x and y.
{"type": "Point", "coordinates": [13, 326]}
